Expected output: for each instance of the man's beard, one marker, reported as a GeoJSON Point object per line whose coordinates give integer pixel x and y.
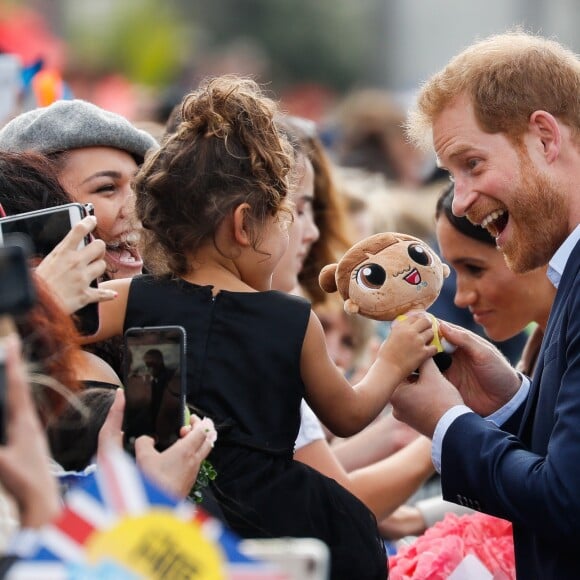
{"type": "Point", "coordinates": [539, 218]}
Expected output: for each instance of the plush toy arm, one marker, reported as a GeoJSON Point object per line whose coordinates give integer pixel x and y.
{"type": "Point", "coordinates": [350, 307]}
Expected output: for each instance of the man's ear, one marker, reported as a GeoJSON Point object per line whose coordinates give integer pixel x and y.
{"type": "Point", "coordinates": [545, 126]}
{"type": "Point", "coordinates": [241, 233]}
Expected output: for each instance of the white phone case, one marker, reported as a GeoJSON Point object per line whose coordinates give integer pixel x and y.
{"type": "Point", "coordinates": [301, 558]}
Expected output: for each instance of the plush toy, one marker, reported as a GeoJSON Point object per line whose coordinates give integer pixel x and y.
{"type": "Point", "coordinates": [384, 276]}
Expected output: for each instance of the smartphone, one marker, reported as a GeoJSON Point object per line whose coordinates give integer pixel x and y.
{"type": "Point", "coordinates": [299, 558]}
{"type": "Point", "coordinates": [16, 297]}
{"type": "Point", "coordinates": [44, 230]}
{"type": "Point", "coordinates": [17, 294]}
{"type": "Point", "coordinates": [89, 209]}
{"type": "Point", "coordinates": [154, 380]}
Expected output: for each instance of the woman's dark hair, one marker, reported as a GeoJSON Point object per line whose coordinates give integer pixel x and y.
{"type": "Point", "coordinates": [28, 182]}
{"type": "Point", "coordinates": [461, 224]}
{"type": "Point", "coordinates": [73, 437]}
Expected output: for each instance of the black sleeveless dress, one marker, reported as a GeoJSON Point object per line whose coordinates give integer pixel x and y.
{"type": "Point", "coordinates": [243, 371]}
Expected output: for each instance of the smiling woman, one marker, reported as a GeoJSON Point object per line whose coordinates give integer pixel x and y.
{"type": "Point", "coordinates": [95, 153]}
{"type": "Point", "coordinates": [102, 176]}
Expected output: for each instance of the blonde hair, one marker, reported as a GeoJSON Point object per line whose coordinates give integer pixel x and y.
{"type": "Point", "coordinates": [506, 77]}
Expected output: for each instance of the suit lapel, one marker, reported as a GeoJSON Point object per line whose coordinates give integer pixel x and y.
{"type": "Point", "coordinates": [564, 288]}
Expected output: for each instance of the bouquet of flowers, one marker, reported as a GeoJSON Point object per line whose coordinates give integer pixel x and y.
{"type": "Point", "coordinates": [440, 550]}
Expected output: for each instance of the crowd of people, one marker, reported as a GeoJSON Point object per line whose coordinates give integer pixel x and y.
{"type": "Point", "coordinates": [319, 423]}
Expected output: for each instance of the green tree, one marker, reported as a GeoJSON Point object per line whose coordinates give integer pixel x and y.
{"type": "Point", "coordinates": [143, 39]}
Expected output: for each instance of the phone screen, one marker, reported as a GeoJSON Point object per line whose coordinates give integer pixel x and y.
{"type": "Point", "coordinates": [154, 374]}
{"type": "Point", "coordinates": [44, 230]}
{"type": "Point", "coordinates": [16, 289]}
{"type": "Point", "coordinates": [16, 297]}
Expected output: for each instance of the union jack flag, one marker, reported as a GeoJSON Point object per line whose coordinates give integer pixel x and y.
{"type": "Point", "coordinates": [118, 490]}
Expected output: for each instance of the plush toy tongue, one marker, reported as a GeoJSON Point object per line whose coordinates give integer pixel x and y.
{"type": "Point", "coordinates": [413, 277]}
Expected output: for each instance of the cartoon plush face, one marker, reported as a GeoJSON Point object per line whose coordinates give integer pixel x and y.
{"type": "Point", "coordinates": [386, 275]}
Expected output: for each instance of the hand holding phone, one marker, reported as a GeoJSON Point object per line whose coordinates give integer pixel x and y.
{"type": "Point", "coordinates": [17, 296]}
{"type": "Point", "coordinates": [70, 271]}
{"type": "Point", "coordinates": [59, 233]}
{"type": "Point", "coordinates": [154, 380]}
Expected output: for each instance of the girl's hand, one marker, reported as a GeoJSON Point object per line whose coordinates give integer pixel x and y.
{"type": "Point", "coordinates": [409, 343]}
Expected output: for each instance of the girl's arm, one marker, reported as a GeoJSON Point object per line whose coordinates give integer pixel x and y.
{"type": "Point", "coordinates": [345, 409]}
{"type": "Point", "coordinates": [111, 313]}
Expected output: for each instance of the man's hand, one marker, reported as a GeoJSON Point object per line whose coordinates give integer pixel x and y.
{"type": "Point", "coordinates": [422, 402]}
{"type": "Point", "coordinates": [481, 373]}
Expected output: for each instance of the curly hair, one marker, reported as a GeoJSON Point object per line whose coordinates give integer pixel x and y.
{"type": "Point", "coordinates": [329, 207]}
{"type": "Point", "coordinates": [507, 77]}
{"type": "Point", "coordinates": [225, 151]}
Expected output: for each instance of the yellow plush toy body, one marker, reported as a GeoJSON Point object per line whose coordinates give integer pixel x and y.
{"type": "Point", "coordinates": [384, 276]}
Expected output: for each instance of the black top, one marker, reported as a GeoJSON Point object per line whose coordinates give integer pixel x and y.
{"type": "Point", "coordinates": [242, 351]}
{"type": "Point", "coordinates": [243, 370]}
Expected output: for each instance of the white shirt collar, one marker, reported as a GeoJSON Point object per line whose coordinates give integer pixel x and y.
{"type": "Point", "coordinates": [560, 258]}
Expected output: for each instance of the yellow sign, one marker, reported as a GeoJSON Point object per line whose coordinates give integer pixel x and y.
{"type": "Point", "coordinates": [158, 546]}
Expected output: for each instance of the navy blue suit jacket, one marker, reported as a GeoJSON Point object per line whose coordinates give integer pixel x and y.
{"type": "Point", "coordinates": [529, 471]}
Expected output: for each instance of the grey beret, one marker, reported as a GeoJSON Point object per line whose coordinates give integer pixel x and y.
{"type": "Point", "coordinates": [73, 124]}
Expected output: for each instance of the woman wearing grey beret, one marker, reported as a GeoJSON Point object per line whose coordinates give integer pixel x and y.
{"type": "Point", "coordinates": [95, 153]}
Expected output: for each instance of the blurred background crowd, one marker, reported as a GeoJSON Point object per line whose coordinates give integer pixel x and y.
{"type": "Point", "coordinates": [138, 57]}
{"type": "Point", "coordinates": [351, 67]}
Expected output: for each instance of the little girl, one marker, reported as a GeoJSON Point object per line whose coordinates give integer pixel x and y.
{"type": "Point", "coordinates": [213, 204]}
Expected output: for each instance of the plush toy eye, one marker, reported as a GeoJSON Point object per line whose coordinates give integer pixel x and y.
{"type": "Point", "coordinates": [419, 254]}
{"type": "Point", "coordinates": [371, 276]}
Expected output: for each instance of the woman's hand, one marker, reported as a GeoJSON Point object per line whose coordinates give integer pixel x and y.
{"type": "Point", "coordinates": [176, 468]}
{"type": "Point", "coordinates": [68, 271]}
{"type": "Point", "coordinates": [24, 459]}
